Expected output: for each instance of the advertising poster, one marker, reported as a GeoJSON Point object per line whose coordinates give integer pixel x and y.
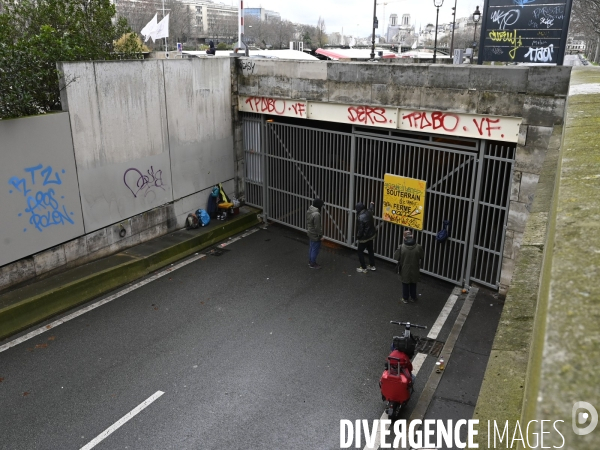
{"type": "Point", "coordinates": [404, 201]}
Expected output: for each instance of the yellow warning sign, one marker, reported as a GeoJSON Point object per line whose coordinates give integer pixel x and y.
{"type": "Point", "coordinates": [404, 201]}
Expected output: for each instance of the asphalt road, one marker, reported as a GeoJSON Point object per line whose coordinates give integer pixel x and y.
{"type": "Point", "coordinates": [251, 348]}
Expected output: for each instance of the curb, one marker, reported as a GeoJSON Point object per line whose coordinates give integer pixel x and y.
{"type": "Point", "coordinates": [41, 307]}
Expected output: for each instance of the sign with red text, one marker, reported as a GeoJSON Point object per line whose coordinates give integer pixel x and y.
{"type": "Point", "coordinates": [274, 106]}
{"type": "Point", "coordinates": [404, 201]}
{"type": "Point", "coordinates": [464, 125]}
{"type": "Point", "coordinates": [376, 116]}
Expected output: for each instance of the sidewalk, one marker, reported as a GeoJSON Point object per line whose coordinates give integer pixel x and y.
{"type": "Point", "coordinates": [34, 301]}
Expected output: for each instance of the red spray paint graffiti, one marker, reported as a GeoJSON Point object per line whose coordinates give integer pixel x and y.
{"type": "Point", "coordinates": [280, 107]}
{"type": "Point", "coordinates": [367, 115]}
{"type": "Point", "coordinates": [449, 123]}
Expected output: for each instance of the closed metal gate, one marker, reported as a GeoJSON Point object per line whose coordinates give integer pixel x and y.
{"type": "Point", "coordinates": [288, 165]}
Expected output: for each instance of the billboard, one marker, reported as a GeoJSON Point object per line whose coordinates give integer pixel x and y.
{"type": "Point", "coordinates": [524, 31]}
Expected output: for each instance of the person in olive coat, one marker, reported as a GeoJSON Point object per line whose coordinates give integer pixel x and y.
{"type": "Point", "coordinates": [409, 256]}
{"type": "Point", "coordinates": [314, 230]}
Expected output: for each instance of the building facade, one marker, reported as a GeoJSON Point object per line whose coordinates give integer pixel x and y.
{"type": "Point", "coordinates": [265, 15]}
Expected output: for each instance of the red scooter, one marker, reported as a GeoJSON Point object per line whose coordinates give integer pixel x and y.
{"type": "Point", "coordinates": [396, 383]}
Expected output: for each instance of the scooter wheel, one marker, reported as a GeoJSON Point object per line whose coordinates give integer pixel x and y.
{"type": "Point", "coordinates": [395, 412]}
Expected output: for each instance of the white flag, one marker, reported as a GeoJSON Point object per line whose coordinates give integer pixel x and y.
{"type": "Point", "coordinates": [148, 30]}
{"type": "Point", "coordinates": [162, 29]}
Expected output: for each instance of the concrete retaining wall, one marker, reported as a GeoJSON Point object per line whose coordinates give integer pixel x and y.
{"type": "Point", "coordinates": [147, 140]}
{"type": "Point", "coordinates": [147, 132]}
{"type": "Point", "coordinates": [546, 348]}
{"type": "Point", "coordinates": [536, 94]}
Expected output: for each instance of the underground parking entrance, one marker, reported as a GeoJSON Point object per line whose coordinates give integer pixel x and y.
{"type": "Point", "coordinates": [289, 161]}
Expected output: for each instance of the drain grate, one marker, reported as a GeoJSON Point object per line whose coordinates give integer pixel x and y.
{"type": "Point", "coordinates": [430, 347]}
{"type": "Point", "coordinates": [217, 251]}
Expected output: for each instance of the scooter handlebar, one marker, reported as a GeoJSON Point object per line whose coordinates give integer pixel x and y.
{"type": "Point", "coordinates": [409, 324]}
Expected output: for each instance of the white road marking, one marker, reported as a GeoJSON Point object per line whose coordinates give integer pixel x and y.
{"type": "Point", "coordinates": [252, 231]}
{"type": "Point", "coordinates": [114, 427]}
{"type": "Point", "coordinates": [110, 298]}
{"type": "Point", "coordinates": [439, 323]}
{"type": "Point", "coordinates": [418, 361]}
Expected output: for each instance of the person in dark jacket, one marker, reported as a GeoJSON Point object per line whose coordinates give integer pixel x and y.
{"type": "Point", "coordinates": [211, 48]}
{"type": "Point", "coordinates": [365, 235]}
{"type": "Point", "coordinates": [314, 230]}
{"type": "Point", "coordinates": [409, 256]}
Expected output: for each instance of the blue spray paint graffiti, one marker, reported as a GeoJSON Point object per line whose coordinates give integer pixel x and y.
{"type": "Point", "coordinates": [42, 207]}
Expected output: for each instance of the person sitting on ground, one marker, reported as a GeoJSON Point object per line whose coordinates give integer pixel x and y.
{"type": "Point", "coordinates": [211, 49]}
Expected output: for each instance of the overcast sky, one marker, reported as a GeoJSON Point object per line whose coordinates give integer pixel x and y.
{"type": "Point", "coordinates": [356, 16]}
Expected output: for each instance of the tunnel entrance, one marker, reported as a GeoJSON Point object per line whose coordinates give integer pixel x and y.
{"type": "Point", "coordinates": [468, 183]}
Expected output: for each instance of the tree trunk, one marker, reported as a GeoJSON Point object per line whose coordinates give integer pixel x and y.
{"type": "Point", "coordinates": [597, 56]}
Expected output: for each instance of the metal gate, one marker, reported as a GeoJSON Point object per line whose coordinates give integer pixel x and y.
{"type": "Point", "coordinates": [288, 165]}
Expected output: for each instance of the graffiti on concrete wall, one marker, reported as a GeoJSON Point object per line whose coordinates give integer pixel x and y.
{"type": "Point", "coordinates": [441, 122]}
{"type": "Point", "coordinates": [275, 106]}
{"type": "Point", "coordinates": [247, 67]}
{"type": "Point", "coordinates": [141, 184]}
{"type": "Point", "coordinates": [42, 201]}
{"type": "Point", "coordinates": [378, 116]}
{"type": "Point", "coordinates": [368, 115]}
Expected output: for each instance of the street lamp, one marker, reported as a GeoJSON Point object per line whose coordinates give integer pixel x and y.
{"type": "Point", "coordinates": [437, 4]}
{"type": "Point", "coordinates": [375, 24]}
{"type": "Point", "coordinates": [476, 17]}
{"type": "Point", "coordinates": [453, 26]}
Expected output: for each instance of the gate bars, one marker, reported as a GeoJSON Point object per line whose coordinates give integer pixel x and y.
{"type": "Point", "coordinates": [288, 165]}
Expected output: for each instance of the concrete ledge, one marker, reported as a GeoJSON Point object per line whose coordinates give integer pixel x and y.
{"type": "Point", "coordinates": [23, 307]}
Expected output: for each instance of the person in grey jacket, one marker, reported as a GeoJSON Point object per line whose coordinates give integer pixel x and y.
{"type": "Point", "coordinates": [409, 256]}
{"type": "Point", "coordinates": [314, 230]}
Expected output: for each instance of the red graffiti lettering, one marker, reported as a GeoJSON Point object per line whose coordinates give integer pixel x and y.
{"type": "Point", "coordinates": [488, 127]}
{"type": "Point", "coordinates": [366, 115]}
{"type": "Point", "coordinates": [436, 120]}
{"type": "Point", "coordinates": [266, 105]}
{"type": "Point", "coordinates": [299, 109]}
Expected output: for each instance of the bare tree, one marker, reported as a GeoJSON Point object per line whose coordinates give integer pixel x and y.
{"type": "Point", "coordinates": [138, 14]}
{"type": "Point", "coordinates": [276, 33]}
{"type": "Point", "coordinates": [585, 23]}
{"type": "Point", "coordinates": [256, 31]}
{"type": "Point", "coordinates": [308, 35]}
{"type": "Point", "coordinates": [321, 35]}
{"type": "Point", "coordinates": [282, 32]}
{"type": "Point", "coordinates": [180, 20]}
